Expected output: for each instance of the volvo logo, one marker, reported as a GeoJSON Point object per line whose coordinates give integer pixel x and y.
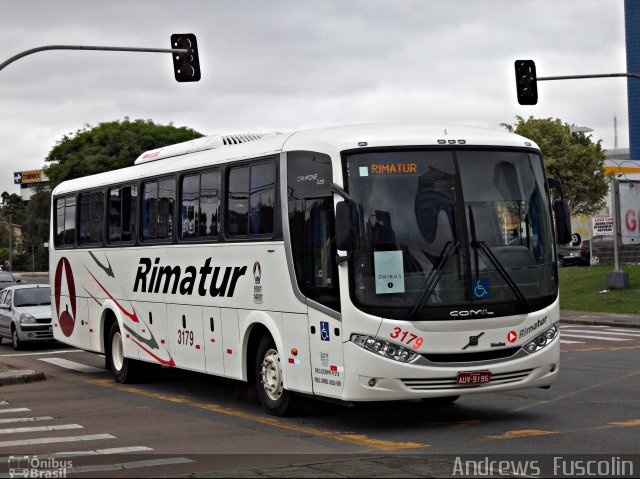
{"type": "Point", "coordinates": [470, 313]}
{"type": "Point", "coordinates": [473, 340]}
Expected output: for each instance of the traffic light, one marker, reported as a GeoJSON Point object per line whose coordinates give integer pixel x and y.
{"type": "Point", "coordinates": [186, 66]}
{"type": "Point", "coordinates": [526, 83]}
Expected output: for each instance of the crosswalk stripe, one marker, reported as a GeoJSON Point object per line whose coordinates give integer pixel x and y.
{"type": "Point", "coordinates": [602, 338]}
{"type": "Point", "coordinates": [607, 332]}
{"type": "Point", "coordinates": [15, 409]}
{"type": "Point", "coordinates": [61, 427]}
{"type": "Point", "coordinates": [566, 341]}
{"type": "Point", "coordinates": [595, 326]}
{"type": "Point", "coordinates": [109, 467]}
{"type": "Point", "coordinates": [52, 440]}
{"type": "Point", "coordinates": [635, 332]}
{"type": "Point", "coordinates": [93, 452]}
{"type": "Point", "coordinates": [65, 363]}
{"type": "Point", "coordinates": [9, 420]}
{"type": "Point", "coordinates": [12, 355]}
{"type": "Point", "coordinates": [129, 465]}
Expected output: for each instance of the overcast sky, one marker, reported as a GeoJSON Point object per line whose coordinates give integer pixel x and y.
{"type": "Point", "coordinates": [288, 65]}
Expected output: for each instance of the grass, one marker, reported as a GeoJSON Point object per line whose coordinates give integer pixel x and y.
{"type": "Point", "coordinates": [582, 289]}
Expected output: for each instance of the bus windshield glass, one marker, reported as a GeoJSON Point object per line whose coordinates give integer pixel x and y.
{"type": "Point", "coordinates": [450, 233]}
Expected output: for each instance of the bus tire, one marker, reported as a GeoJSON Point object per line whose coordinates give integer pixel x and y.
{"type": "Point", "coordinates": [124, 370]}
{"type": "Point", "coordinates": [441, 401]}
{"type": "Point", "coordinates": [275, 399]}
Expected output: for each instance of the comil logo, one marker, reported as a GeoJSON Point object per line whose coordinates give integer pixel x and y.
{"type": "Point", "coordinates": [66, 318]}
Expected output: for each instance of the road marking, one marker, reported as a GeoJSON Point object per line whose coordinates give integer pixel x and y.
{"type": "Point", "coordinates": [566, 341]}
{"type": "Point", "coordinates": [94, 452]}
{"type": "Point", "coordinates": [583, 326]}
{"type": "Point", "coordinates": [522, 433]}
{"type": "Point", "coordinates": [65, 363]}
{"type": "Point", "coordinates": [9, 420]}
{"type": "Point", "coordinates": [15, 409]}
{"type": "Point", "coordinates": [607, 332]}
{"type": "Point", "coordinates": [129, 465]}
{"type": "Point", "coordinates": [51, 440]}
{"type": "Point", "coordinates": [109, 467]}
{"type": "Point", "coordinates": [40, 354]}
{"type": "Point", "coordinates": [602, 338]}
{"type": "Point", "coordinates": [61, 427]}
{"type": "Point", "coordinates": [625, 330]}
{"type": "Point", "coordinates": [631, 423]}
{"type": "Point", "coordinates": [358, 439]}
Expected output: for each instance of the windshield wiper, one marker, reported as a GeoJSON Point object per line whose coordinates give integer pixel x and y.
{"type": "Point", "coordinates": [443, 260]}
{"type": "Point", "coordinates": [496, 262]}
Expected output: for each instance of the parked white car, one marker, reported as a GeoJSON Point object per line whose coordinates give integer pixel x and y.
{"type": "Point", "coordinates": [25, 314]}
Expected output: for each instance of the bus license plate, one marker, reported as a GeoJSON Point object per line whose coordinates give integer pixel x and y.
{"type": "Point", "coordinates": [473, 378]}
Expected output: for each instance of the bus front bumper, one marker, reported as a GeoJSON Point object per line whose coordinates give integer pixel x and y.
{"type": "Point", "coordinates": [376, 378]}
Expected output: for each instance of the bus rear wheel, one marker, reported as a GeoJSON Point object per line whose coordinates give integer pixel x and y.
{"type": "Point", "coordinates": [124, 370]}
{"type": "Point", "coordinates": [275, 399]}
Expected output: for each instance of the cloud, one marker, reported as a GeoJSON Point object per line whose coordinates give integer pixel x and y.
{"type": "Point", "coordinates": [285, 65]}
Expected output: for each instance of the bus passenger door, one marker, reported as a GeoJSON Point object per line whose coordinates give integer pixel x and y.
{"type": "Point", "coordinates": [327, 363]}
{"type": "Point", "coordinates": [213, 342]}
{"type": "Point", "coordinates": [186, 336]}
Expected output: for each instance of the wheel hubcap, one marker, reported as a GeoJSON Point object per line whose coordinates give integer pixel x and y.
{"type": "Point", "coordinates": [271, 375]}
{"type": "Point", "coordinates": [117, 354]}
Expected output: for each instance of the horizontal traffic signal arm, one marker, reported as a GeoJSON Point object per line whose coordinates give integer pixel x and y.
{"type": "Point", "coordinates": [89, 47]}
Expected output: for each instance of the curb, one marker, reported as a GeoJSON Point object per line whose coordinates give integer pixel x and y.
{"type": "Point", "coordinates": [20, 376]}
{"type": "Point", "coordinates": [600, 322]}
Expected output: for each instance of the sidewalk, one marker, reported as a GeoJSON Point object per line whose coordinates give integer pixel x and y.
{"type": "Point", "coordinates": [600, 319]}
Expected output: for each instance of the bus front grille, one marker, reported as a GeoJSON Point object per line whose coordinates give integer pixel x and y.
{"type": "Point", "coordinates": [450, 382]}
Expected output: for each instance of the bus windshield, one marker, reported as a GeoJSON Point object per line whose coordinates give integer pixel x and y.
{"type": "Point", "coordinates": [450, 233]}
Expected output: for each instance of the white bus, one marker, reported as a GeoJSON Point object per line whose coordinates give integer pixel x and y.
{"type": "Point", "coordinates": [357, 263]}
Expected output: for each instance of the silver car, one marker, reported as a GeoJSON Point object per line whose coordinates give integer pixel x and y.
{"type": "Point", "coordinates": [25, 314]}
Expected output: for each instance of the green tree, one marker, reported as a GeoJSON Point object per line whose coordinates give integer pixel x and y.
{"type": "Point", "coordinates": [570, 157]}
{"type": "Point", "coordinates": [12, 205]}
{"type": "Point", "coordinates": [35, 229]}
{"type": "Point", "coordinates": [109, 146]}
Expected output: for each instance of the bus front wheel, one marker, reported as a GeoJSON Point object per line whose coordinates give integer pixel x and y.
{"type": "Point", "coordinates": [275, 399]}
{"type": "Point", "coordinates": [124, 370]}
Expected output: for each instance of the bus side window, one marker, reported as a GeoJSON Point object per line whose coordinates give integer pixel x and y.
{"type": "Point", "coordinates": [65, 221]}
{"type": "Point", "coordinates": [251, 199]}
{"type": "Point", "coordinates": [312, 226]}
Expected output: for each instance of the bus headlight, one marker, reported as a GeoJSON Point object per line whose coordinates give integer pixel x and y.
{"type": "Point", "coordinates": [541, 340]}
{"type": "Point", "coordinates": [383, 348]}
{"type": "Point", "coordinates": [27, 319]}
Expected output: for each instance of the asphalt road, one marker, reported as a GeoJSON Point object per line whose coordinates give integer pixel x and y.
{"type": "Point", "coordinates": [185, 423]}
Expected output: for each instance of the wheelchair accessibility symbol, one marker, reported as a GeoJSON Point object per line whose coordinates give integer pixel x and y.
{"type": "Point", "coordinates": [480, 288]}
{"type": "Point", "coordinates": [324, 330]}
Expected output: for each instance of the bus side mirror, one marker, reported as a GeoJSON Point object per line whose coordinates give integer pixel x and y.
{"type": "Point", "coordinates": [345, 221]}
{"type": "Point", "coordinates": [561, 213]}
{"type": "Point", "coordinates": [562, 218]}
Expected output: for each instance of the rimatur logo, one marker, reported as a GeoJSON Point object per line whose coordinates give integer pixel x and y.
{"type": "Point", "coordinates": [512, 336]}
{"type": "Point", "coordinates": [66, 319]}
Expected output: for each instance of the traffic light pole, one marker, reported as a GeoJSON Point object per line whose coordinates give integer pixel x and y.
{"type": "Point", "coordinates": [88, 47]}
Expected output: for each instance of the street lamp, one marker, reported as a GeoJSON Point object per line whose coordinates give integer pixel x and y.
{"type": "Point", "coordinates": [580, 129]}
